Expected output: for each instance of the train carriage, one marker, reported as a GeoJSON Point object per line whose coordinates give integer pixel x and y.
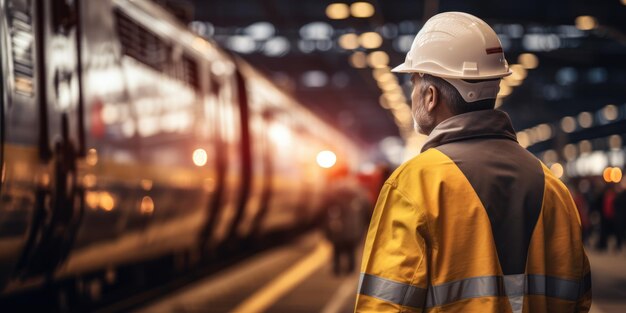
{"type": "Point", "coordinates": [125, 137]}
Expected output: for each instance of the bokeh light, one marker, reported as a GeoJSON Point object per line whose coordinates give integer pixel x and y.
{"type": "Point", "coordinates": [519, 72]}
{"type": "Point", "coordinates": [585, 119]}
{"type": "Point", "coordinates": [362, 9]}
{"type": "Point", "coordinates": [586, 22]}
{"type": "Point", "coordinates": [337, 11]}
{"type": "Point", "coordinates": [200, 157]}
{"type": "Point", "coordinates": [147, 205]}
{"type": "Point", "coordinates": [528, 60]}
{"type": "Point", "coordinates": [326, 159]}
{"type": "Point", "coordinates": [378, 59]}
{"type": "Point", "coordinates": [349, 41]}
{"type": "Point", "coordinates": [610, 112]}
{"type": "Point", "coordinates": [616, 175]}
{"type": "Point", "coordinates": [557, 170]}
{"type": "Point", "coordinates": [568, 124]}
{"type": "Point", "coordinates": [358, 60]}
{"type": "Point", "coordinates": [370, 40]}
{"type": "Point", "coordinates": [612, 174]}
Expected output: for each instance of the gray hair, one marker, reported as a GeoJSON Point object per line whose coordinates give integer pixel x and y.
{"type": "Point", "coordinates": [452, 97]}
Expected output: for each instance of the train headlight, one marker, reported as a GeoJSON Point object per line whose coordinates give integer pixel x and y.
{"type": "Point", "coordinates": [326, 159]}
{"type": "Point", "coordinates": [200, 157]}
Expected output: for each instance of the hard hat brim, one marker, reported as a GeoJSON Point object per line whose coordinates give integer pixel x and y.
{"type": "Point", "coordinates": [403, 68]}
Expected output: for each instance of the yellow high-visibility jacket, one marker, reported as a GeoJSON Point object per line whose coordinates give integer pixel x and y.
{"type": "Point", "coordinates": [475, 223]}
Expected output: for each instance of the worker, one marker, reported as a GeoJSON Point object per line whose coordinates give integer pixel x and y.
{"type": "Point", "coordinates": [345, 221]}
{"type": "Point", "coordinates": [474, 223]}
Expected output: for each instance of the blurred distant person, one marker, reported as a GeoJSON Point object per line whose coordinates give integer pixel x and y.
{"type": "Point", "coordinates": [607, 226]}
{"type": "Point", "coordinates": [347, 211]}
{"type": "Point", "coordinates": [583, 210]}
{"type": "Point", "coordinates": [619, 204]}
{"type": "Point", "coordinates": [595, 199]}
{"type": "Point", "coordinates": [475, 223]}
{"type": "Point", "coordinates": [373, 179]}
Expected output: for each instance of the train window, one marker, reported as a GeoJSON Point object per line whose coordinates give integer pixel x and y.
{"type": "Point", "coordinates": [163, 84]}
{"type": "Point", "coordinates": [21, 33]}
{"type": "Point", "coordinates": [190, 72]}
{"type": "Point", "coordinates": [146, 47]}
{"type": "Point", "coordinates": [63, 16]}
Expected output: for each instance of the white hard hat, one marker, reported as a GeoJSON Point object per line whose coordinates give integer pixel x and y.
{"type": "Point", "coordinates": [457, 47]}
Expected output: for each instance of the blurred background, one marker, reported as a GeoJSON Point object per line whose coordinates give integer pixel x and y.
{"type": "Point", "coordinates": [568, 59]}
{"type": "Point", "coordinates": [189, 156]}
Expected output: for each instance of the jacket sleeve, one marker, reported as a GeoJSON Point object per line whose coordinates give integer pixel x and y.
{"type": "Point", "coordinates": [394, 267]}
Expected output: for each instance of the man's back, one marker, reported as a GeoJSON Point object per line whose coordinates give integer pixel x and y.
{"type": "Point", "coordinates": [474, 224]}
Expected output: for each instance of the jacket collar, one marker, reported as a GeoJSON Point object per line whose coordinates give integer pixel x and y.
{"type": "Point", "coordinates": [471, 125]}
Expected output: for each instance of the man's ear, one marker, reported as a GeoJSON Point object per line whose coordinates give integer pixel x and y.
{"type": "Point", "coordinates": [431, 98]}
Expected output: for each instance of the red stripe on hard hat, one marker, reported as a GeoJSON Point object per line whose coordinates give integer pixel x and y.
{"type": "Point", "coordinates": [494, 50]}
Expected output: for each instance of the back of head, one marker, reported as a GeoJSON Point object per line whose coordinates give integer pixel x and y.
{"type": "Point", "coordinates": [453, 99]}
{"type": "Point", "coordinates": [461, 50]}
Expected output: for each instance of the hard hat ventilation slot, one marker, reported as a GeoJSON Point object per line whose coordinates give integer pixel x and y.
{"type": "Point", "coordinates": [470, 68]}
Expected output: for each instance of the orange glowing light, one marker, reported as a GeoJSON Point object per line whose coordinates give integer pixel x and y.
{"type": "Point", "coordinates": [44, 179]}
{"type": "Point", "coordinates": [92, 157]}
{"type": "Point", "coordinates": [92, 199]}
{"type": "Point", "coordinates": [616, 175]}
{"type": "Point", "coordinates": [146, 184]}
{"type": "Point", "coordinates": [147, 205]}
{"type": "Point", "coordinates": [107, 203]}
{"type": "Point", "coordinates": [607, 174]}
{"type": "Point", "coordinates": [90, 180]}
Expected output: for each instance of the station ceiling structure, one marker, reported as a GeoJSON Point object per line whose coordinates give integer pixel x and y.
{"type": "Point", "coordinates": [571, 58]}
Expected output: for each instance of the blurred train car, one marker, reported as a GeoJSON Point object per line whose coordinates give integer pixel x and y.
{"type": "Point", "coordinates": [125, 137]}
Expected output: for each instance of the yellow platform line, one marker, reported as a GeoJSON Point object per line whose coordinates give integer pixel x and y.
{"type": "Point", "coordinates": [266, 296]}
{"type": "Point", "coordinates": [345, 293]}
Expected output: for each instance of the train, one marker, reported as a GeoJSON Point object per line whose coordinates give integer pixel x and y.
{"type": "Point", "coordinates": [126, 137]}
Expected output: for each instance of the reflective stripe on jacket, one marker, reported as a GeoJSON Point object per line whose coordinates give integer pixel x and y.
{"type": "Point", "coordinates": [474, 223]}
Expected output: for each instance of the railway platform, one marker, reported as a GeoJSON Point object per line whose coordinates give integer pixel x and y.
{"type": "Point", "coordinates": [298, 277]}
